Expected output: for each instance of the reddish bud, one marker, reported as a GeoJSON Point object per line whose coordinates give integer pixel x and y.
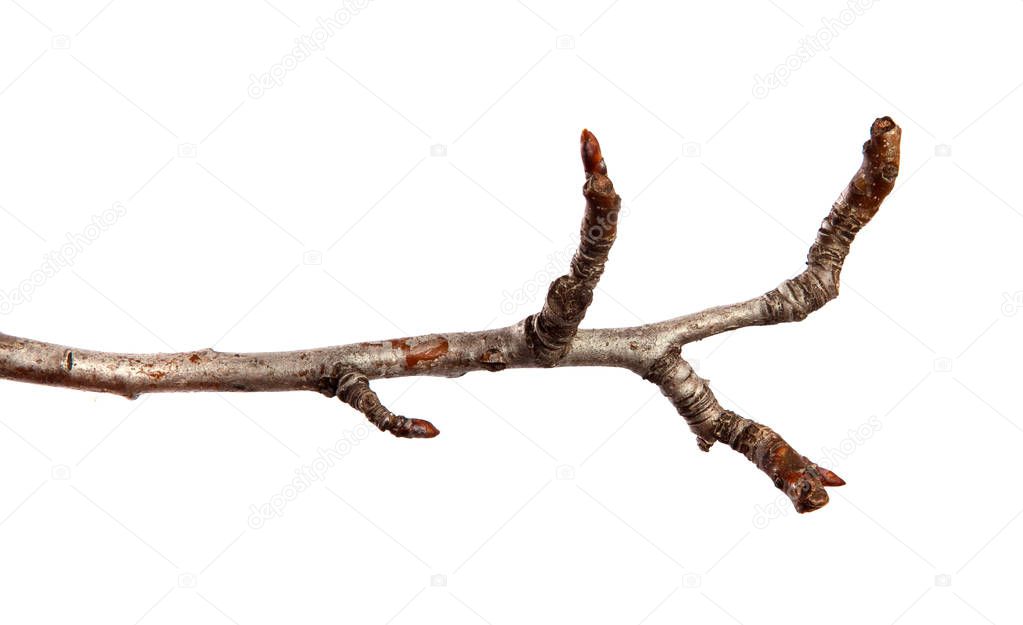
{"type": "Point", "coordinates": [420, 428]}
{"type": "Point", "coordinates": [593, 160]}
{"type": "Point", "coordinates": [829, 478]}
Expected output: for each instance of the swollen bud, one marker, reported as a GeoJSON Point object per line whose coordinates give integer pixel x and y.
{"type": "Point", "coordinates": [593, 160]}
{"type": "Point", "coordinates": [420, 428]}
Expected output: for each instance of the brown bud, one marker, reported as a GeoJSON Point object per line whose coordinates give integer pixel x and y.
{"type": "Point", "coordinates": [593, 160]}
{"type": "Point", "coordinates": [420, 428]}
{"type": "Point", "coordinates": [829, 478]}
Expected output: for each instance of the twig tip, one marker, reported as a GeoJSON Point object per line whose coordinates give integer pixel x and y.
{"type": "Point", "coordinates": [421, 428]}
{"type": "Point", "coordinates": [593, 160]}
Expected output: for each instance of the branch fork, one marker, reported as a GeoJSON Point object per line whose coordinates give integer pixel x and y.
{"type": "Point", "coordinates": [549, 338]}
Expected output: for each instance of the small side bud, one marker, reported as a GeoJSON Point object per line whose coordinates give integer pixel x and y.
{"type": "Point", "coordinates": [830, 478]}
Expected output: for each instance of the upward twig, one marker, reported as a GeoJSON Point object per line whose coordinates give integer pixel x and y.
{"type": "Point", "coordinates": [549, 338]}
{"type": "Point", "coordinates": [551, 331]}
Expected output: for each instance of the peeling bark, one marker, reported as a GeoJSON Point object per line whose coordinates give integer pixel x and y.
{"type": "Point", "coordinates": [549, 338]}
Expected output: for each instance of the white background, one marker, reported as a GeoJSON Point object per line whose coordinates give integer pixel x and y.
{"type": "Point", "coordinates": [315, 214]}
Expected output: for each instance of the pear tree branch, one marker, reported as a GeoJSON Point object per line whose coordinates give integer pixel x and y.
{"type": "Point", "coordinates": [549, 338]}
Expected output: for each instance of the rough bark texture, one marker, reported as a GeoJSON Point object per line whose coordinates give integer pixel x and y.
{"type": "Point", "coordinates": [353, 389]}
{"type": "Point", "coordinates": [550, 332]}
{"type": "Point", "coordinates": [549, 338]}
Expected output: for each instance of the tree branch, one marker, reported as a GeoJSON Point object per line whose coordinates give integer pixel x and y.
{"type": "Point", "coordinates": [791, 472]}
{"type": "Point", "coordinates": [818, 284]}
{"type": "Point", "coordinates": [549, 338]}
{"type": "Point", "coordinates": [551, 331]}
{"type": "Point", "coordinates": [353, 389]}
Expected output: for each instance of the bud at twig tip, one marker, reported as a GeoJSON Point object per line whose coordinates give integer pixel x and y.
{"type": "Point", "coordinates": [421, 428]}
{"type": "Point", "coordinates": [593, 160]}
{"type": "Point", "coordinates": [883, 125]}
